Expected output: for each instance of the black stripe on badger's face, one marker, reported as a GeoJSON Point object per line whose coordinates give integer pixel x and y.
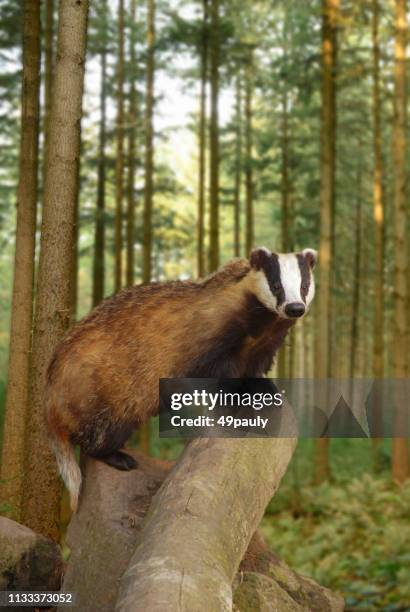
{"type": "Point", "coordinates": [305, 275]}
{"type": "Point", "coordinates": [272, 272]}
{"type": "Point", "coordinates": [285, 281]}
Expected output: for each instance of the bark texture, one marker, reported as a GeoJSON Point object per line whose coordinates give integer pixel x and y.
{"type": "Point", "coordinates": [400, 459]}
{"type": "Point", "coordinates": [42, 486]}
{"type": "Point", "coordinates": [379, 221]}
{"type": "Point", "coordinates": [28, 561]}
{"type": "Point", "coordinates": [149, 145]}
{"type": "Point", "coordinates": [238, 167]}
{"type": "Point", "coordinates": [330, 13]}
{"type": "Point", "coordinates": [202, 143]}
{"type": "Point", "coordinates": [48, 75]}
{"type": "Point", "coordinates": [132, 132]}
{"type": "Point", "coordinates": [99, 238]}
{"type": "Point", "coordinates": [217, 492]}
{"type": "Point", "coordinates": [214, 139]}
{"type": "Point", "coordinates": [103, 534]}
{"type": "Point", "coordinates": [378, 201]}
{"type": "Point", "coordinates": [12, 471]}
{"type": "Point", "coordinates": [250, 221]}
{"type": "Point", "coordinates": [119, 161]}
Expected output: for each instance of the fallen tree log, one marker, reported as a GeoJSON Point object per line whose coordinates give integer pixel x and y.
{"type": "Point", "coordinates": [28, 560]}
{"type": "Point", "coordinates": [200, 523]}
{"type": "Point", "coordinates": [107, 528]}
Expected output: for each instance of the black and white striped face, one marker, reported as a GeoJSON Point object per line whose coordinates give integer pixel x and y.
{"type": "Point", "coordinates": [284, 282]}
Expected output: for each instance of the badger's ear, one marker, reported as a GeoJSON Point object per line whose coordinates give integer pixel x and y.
{"type": "Point", "coordinates": [259, 257]}
{"type": "Point", "coordinates": [311, 257]}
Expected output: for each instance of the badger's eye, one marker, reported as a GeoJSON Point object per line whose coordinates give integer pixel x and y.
{"type": "Point", "coordinates": [276, 287]}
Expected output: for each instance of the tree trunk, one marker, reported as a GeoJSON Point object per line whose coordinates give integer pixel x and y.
{"type": "Point", "coordinates": [283, 357]}
{"type": "Point", "coordinates": [357, 277]}
{"type": "Point", "coordinates": [42, 486]}
{"type": "Point", "coordinates": [214, 139]}
{"type": "Point", "coordinates": [12, 467]}
{"type": "Point", "coordinates": [149, 145]}
{"type": "Point", "coordinates": [400, 462]}
{"type": "Point", "coordinates": [218, 491]}
{"type": "Point", "coordinates": [131, 152]}
{"type": "Point", "coordinates": [330, 10]}
{"type": "Point", "coordinates": [238, 167]}
{"type": "Point", "coordinates": [119, 162]}
{"type": "Point", "coordinates": [99, 237]}
{"type": "Point", "coordinates": [144, 432]}
{"type": "Point", "coordinates": [378, 215]}
{"type": "Point", "coordinates": [48, 76]}
{"type": "Point", "coordinates": [202, 144]}
{"type": "Point", "coordinates": [74, 250]}
{"type": "Point", "coordinates": [250, 230]}
{"type": "Point", "coordinates": [378, 202]}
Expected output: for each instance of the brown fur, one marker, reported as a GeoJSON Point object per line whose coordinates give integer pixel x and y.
{"type": "Point", "coordinates": [103, 379]}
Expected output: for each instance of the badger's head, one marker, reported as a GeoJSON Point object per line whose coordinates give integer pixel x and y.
{"type": "Point", "coordinates": [284, 282]}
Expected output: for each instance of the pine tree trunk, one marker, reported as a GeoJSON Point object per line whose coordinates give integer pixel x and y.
{"type": "Point", "coordinates": [144, 433]}
{"type": "Point", "coordinates": [400, 461]}
{"type": "Point", "coordinates": [202, 144]}
{"type": "Point", "coordinates": [149, 145]}
{"type": "Point", "coordinates": [99, 237]}
{"type": "Point", "coordinates": [74, 249]}
{"type": "Point", "coordinates": [283, 357]}
{"type": "Point", "coordinates": [357, 279]}
{"type": "Point", "coordinates": [12, 468]}
{"type": "Point", "coordinates": [48, 76]}
{"type": "Point", "coordinates": [131, 152]}
{"type": "Point", "coordinates": [238, 167]}
{"type": "Point", "coordinates": [42, 486]}
{"type": "Point", "coordinates": [214, 139]}
{"type": "Point", "coordinates": [119, 162]}
{"type": "Point", "coordinates": [378, 214]}
{"type": "Point", "coordinates": [250, 230]}
{"type": "Point", "coordinates": [330, 10]}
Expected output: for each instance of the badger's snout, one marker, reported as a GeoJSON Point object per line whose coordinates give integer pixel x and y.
{"type": "Point", "coordinates": [295, 310]}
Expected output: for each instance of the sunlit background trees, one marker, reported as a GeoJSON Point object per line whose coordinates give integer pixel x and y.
{"type": "Point", "coordinates": [208, 127]}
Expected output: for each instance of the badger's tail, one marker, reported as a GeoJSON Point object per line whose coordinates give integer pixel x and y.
{"type": "Point", "coordinates": [68, 467]}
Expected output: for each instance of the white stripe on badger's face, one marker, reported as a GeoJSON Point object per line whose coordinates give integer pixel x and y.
{"type": "Point", "coordinates": [290, 277]}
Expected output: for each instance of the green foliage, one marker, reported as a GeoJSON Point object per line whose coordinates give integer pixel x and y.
{"type": "Point", "coordinates": [351, 537]}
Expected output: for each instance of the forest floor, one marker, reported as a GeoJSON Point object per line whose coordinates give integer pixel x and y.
{"type": "Point", "coordinates": [352, 534]}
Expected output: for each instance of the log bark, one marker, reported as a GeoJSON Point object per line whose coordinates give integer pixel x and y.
{"type": "Point", "coordinates": [200, 524]}
{"type": "Point", "coordinates": [103, 535]}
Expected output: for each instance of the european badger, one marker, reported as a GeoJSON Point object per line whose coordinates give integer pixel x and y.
{"type": "Point", "coordinates": [102, 382]}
